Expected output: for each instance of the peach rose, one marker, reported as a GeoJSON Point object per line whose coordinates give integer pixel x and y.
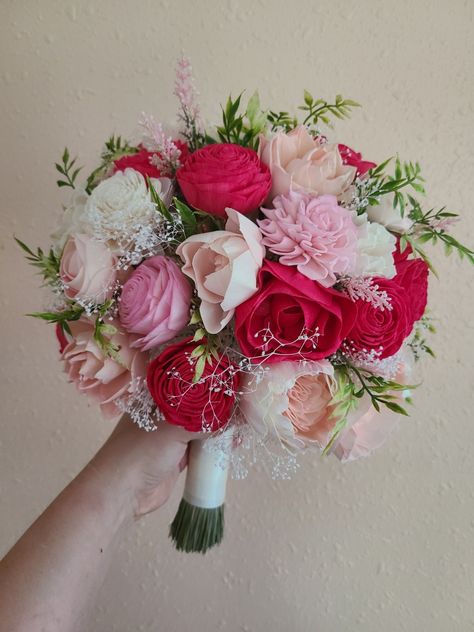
{"type": "Point", "coordinates": [299, 162]}
{"type": "Point", "coordinates": [103, 378]}
{"type": "Point", "coordinates": [223, 265]}
{"type": "Point", "coordinates": [87, 269]}
{"type": "Point", "coordinates": [290, 403]}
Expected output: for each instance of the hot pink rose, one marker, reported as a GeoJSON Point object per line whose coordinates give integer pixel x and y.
{"type": "Point", "coordinates": [224, 265]}
{"type": "Point", "coordinates": [312, 233]}
{"type": "Point", "coordinates": [87, 269]}
{"type": "Point", "coordinates": [224, 175]}
{"type": "Point", "coordinates": [299, 162]}
{"type": "Point", "coordinates": [354, 159]}
{"type": "Point", "coordinates": [155, 302]}
{"type": "Point", "coordinates": [291, 307]}
{"type": "Point", "coordinates": [102, 378]}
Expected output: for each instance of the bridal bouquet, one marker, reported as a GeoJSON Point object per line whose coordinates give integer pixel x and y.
{"type": "Point", "coordinates": [256, 283]}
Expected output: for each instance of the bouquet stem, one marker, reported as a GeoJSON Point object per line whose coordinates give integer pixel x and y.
{"type": "Point", "coordinates": [199, 522]}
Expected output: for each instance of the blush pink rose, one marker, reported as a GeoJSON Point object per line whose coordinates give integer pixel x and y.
{"type": "Point", "coordinates": [87, 269]}
{"type": "Point", "coordinates": [299, 162]}
{"type": "Point", "coordinates": [290, 404]}
{"type": "Point", "coordinates": [155, 302]}
{"type": "Point", "coordinates": [102, 378]}
{"type": "Point", "coordinates": [223, 265]}
{"type": "Point", "coordinates": [312, 233]}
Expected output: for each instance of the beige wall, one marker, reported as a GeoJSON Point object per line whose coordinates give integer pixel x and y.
{"type": "Point", "coordinates": [383, 544]}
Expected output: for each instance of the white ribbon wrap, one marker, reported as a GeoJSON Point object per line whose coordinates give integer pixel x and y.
{"type": "Point", "coordinates": [208, 467]}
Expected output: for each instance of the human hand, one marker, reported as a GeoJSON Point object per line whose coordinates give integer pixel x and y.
{"type": "Point", "coordinates": [148, 462]}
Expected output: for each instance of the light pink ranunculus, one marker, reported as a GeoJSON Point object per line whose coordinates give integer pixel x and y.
{"type": "Point", "coordinates": [87, 269]}
{"type": "Point", "coordinates": [155, 302]}
{"type": "Point", "coordinates": [102, 378]}
{"type": "Point", "coordinates": [223, 265]}
{"type": "Point", "coordinates": [312, 233]}
{"type": "Point", "coordinates": [291, 403]}
{"type": "Point", "coordinates": [299, 162]}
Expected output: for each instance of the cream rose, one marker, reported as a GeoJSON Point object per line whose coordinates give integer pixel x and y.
{"type": "Point", "coordinates": [299, 162]}
{"type": "Point", "coordinates": [120, 205]}
{"type": "Point", "coordinates": [375, 246]}
{"type": "Point", "coordinates": [223, 265]}
{"type": "Point", "coordinates": [87, 269]}
{"type": "Point", "coordinates": [291, 403]}
{"type": "Point", "coordinates": [387, 216]}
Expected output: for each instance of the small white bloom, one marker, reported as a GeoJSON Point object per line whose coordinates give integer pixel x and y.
{"type": "Point", "coordinates": [119, 206]}
{"type": "Point", "coordinates": [72, 220]}
{"type": "Point", "coordinates": [390, 217]}
{"type": "Point", "coordinates": [375, 246]}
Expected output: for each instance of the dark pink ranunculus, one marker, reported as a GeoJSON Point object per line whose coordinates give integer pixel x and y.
{"type": "Point", "coordinates": [384, 331]}
{"type": "Point", "coordinates": [354, 159]}
{"type": "Point", "coordinates": [291, 306]}
{"type": "Point", "coordinates": [223, 176]}
{"type": "Point", "coordinates": [196, 406]}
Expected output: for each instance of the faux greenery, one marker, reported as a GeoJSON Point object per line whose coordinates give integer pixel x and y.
{"type": "Point", "coordinates": [429, 229]}
{"type": "Point", "coordinates": [242, 128]}
{"type": "Point", "coordinates": [48, 264]}
{"type": "Point", "coordinates": [115, 147]}
{"type": "Point", "coordinates": [67, 170]}
{"type": "Point", "coordinates": [320, 110]}
{"type": "Point", "coordinates": [378, 183]}
{"type": "Point", "coordinates": [62, 318]}
{"type": "Point", "coordinates": [353, 384]}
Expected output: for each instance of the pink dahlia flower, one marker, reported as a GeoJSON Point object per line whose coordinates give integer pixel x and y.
{"type": "Point", "coordinates": [313, 233]}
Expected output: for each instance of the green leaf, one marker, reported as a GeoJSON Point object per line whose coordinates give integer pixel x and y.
{"type": "Point", "coordinates": [308, 98]}
{"type": "Point", "coordinates": [198, 351]}
{"type": "Point", "coordinates": [199, 369]}
{"type": "Point", "coordinates": [187, 216]}
{"type": "Point", "coordinates": [199, 335]}
{"type": "Point", "coordinates": [158, 202]}
{"type": "Point", "coordinates": [394, 407]}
